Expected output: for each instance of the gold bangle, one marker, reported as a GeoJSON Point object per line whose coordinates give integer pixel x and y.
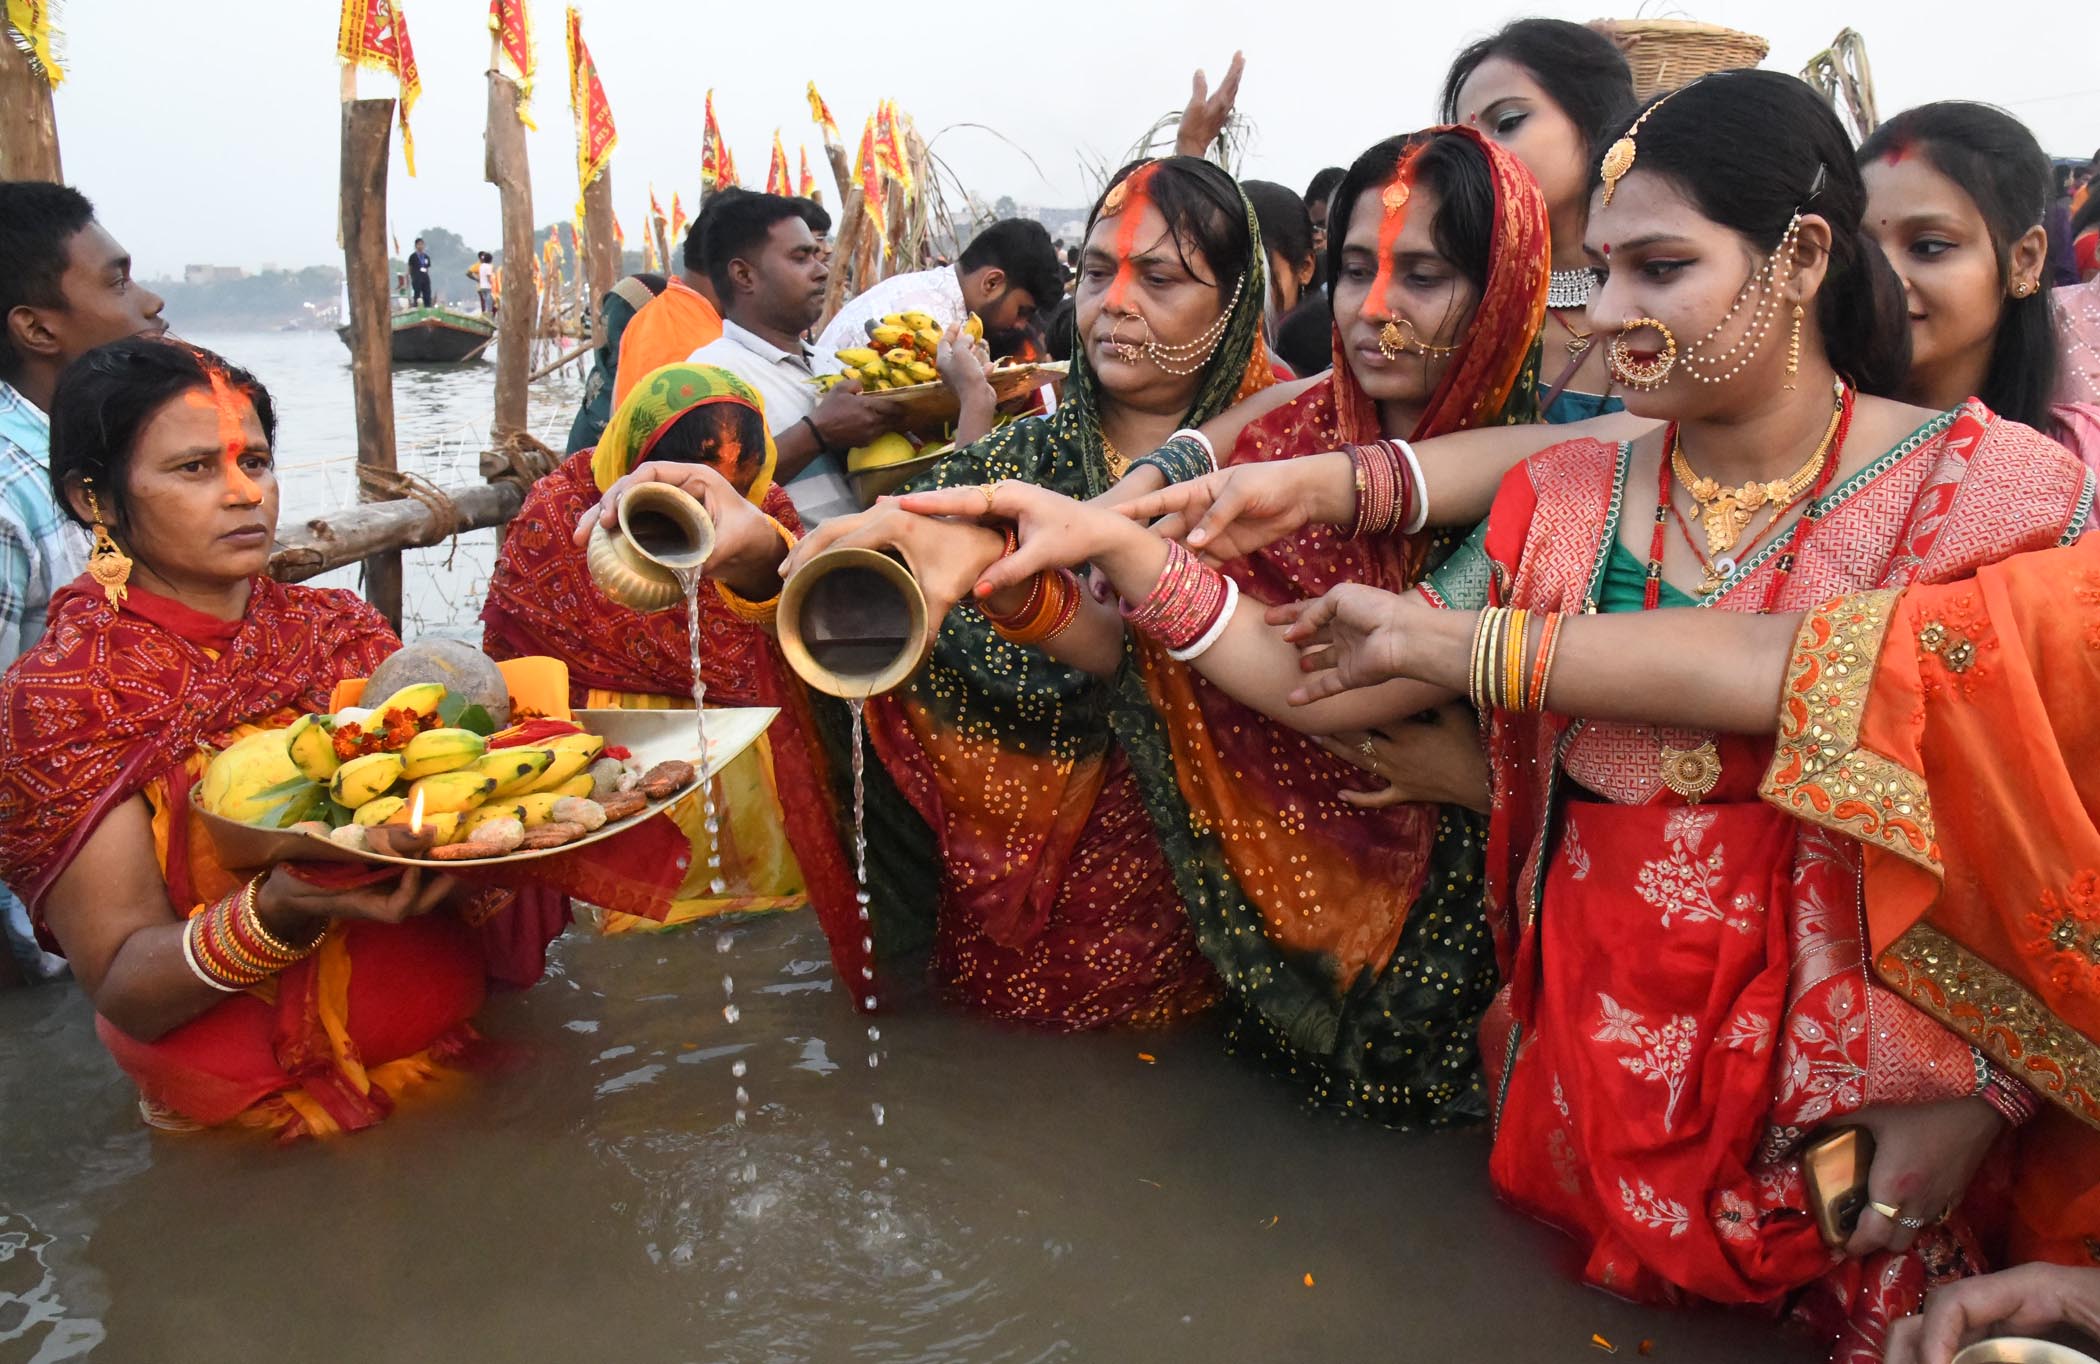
{"type": "Point", "coordinates": [1513, 635]}
{"type": "Point", "coordinates": [251, 920]}
{"type": "Point", "coordinates": [1483, 628]}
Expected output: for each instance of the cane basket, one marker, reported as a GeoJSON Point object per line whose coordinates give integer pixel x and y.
{"type": "Point", "coordinates": [1668, 53]}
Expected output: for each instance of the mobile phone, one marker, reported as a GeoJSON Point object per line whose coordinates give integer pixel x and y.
{"type": "Point", "coordinates": [1835, 1168]}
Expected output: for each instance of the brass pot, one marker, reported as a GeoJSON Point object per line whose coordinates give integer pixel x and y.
{"type": "Point", "coordinates": [663, 531]}
{"type": "Point", "coordinates": [853, 623]}
{"type": "Point", "coordinates": [2015, 1350]}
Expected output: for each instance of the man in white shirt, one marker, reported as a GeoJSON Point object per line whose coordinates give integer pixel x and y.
{"type": "Point", "coordinates": [1007, 274]}
{"type": "Point", "coordinates": [769, 274]}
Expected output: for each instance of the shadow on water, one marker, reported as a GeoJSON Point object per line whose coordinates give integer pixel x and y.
{"type": "Point", "coordinates": [1029, 1198]}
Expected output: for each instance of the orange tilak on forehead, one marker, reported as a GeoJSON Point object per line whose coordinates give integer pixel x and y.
{"type": "Point", "coordinates": [1393, 200]}
{"type": "Point", "coordinates": [230, 408]}
{"type": "Point", "coordinates": [1127, 202]}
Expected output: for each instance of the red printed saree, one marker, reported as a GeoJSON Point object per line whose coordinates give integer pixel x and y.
{"type": "Point", "coordinates": [1688, 993]}
{"type": "Point", "coordinates": [113, 705]}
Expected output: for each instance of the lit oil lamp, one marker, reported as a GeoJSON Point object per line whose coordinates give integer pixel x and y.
{"type": "Point", "coordinates": [397, 840]}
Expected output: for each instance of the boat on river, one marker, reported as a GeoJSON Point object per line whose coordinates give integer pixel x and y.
{"type": "Point", "coordinates": [436, 336]}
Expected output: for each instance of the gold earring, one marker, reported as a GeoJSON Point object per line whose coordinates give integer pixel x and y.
{"type": "Point", "coordinates": [108, 565]}
{"type": "Point", "coordinates": [1793, 349]}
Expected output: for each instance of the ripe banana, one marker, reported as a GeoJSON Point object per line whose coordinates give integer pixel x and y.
{"type": "Point", "coordinates": [255, 781]}
{"type": "Point", "coordinates": [589, 744]}
{"type": "Point", "coordinates": [451, 792]}
{"type": "Point", "coordinates": [515, 769]}
{"type": "Point", "coordinates": [364, 779]}
{"type": "Point", "coordinates": [918, 321]}
{"type": "Point", "coordinates": [312, 747]}
{"type": "Point", "coordinates": [420, 700]}
{"type": "Point", "coordinates": [900, 357]}
{"type": "Point", "coordinates": [499, 809]}
{"type": "Point", "coordinates": [885, 335]}
{"type": "Point", "coordinates": [973, 326]}
{"type": "Point", "coordinates": [579, 785]}
{"type": "Point", "coordinates": [859, 357]}
{"type": "Point", "coordinates": [929, 339]}
{"type": "Point", "coordinates": [921, 372]}
{"type": "Point", "coordinates": [378, 811]}
{"type": "Point", "coordinates": [440, 750]}
{"type": "Point", "coordinates": [536, 809]}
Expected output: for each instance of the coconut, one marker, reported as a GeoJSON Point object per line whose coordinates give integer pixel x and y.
{"type": "Point", "coordinates": [465, 671]}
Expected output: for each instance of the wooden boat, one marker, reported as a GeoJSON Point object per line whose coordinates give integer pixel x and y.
{"type": "Point", "coordinates": [436, 336]}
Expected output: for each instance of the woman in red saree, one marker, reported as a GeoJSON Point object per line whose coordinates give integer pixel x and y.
{"type": "Point", "coordinates": [541, 601]}
{"type": "Point", "coordinates": [110, 720]}
{"type": "Point", "coordinates": [1687, 1000]}
{"type": "Point", "coordinates": [1944, 731]}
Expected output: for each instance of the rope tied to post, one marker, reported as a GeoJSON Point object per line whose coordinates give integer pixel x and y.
{"type": "Point", "coordinates": [386, 485]}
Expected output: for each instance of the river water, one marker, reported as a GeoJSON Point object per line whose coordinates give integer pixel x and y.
{"type": "Point", "coordinates": [1026, 1197]}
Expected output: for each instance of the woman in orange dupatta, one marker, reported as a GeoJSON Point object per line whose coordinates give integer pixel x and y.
{"type": "Point", "coordinates": [1945, 731]}
{"type": "Point", "coordinates": [111, 720]}
{"type": "Point", "coordinates": [541, 601]}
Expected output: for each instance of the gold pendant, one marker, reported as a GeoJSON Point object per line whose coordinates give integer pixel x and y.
{"type": "Point", "coordinates": [1692, 772]}
{"type": "Point", "coordinates": [1725, 519]}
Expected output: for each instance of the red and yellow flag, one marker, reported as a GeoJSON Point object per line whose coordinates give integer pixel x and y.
{"type": "Point", "coordinates": [36, 33]}
{"type": "Point", "coordinates": [595, 134]}
{"type": "Point", "coordinates": [777, 181]}
{"type": "Point", "coordinates": [713, 173]}
{"type": "Point", "coordinates": [677, 218]}
{"type": "Point", "coordinates": [374, 33]}
{"type": "Point", "coordinates": [867, 173]}
{"type": "Point", "coordinates": [890, 145]}
{"type": "Point", "coordinates": [514, 57]}
{"type": "Point", "coordinates": [807, 186]}
{"type": "Point", "coordinates": [821, 113]}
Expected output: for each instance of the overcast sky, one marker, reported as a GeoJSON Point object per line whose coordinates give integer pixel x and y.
{"type": "Point", "coordinates": [209, 133]}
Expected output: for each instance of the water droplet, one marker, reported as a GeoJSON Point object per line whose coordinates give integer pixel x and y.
{"type": "Point", "coordinates": [751, 1172]}
{"type": "Point", "coordinates": [737, 1068]}
{"type": "Point", "coordinates": [869, 1003]}
{"type": "Point", "coordinates": [718, 886]}
{"type": "Point", "coordinates": [876, 1109]}
{"type": "Point", "coordinates": [728, 985]}
{"type": "Point", "coordinates": [874, 1033]}
{"type": "Point", "coordinates": [743, 1096]}
{"type": "Point", "coordinates": [867, 944]}
{"type": "Point", "coordinates": [874, 1060]}
{"type": "Point", "coordinates": [722, 943]}
{"type": "Point", "coordinates": [883, 1163]}
{"type": "Point", "coordinates": [732, 1012]}
{"type": "Point", "coordinates": [682, 1253]}
{"type": "Point", "coordinates": [862, 897]}
{"type": "Point", "coordinates": [741, 1118]}
{"type": "Point", "coordinates": [867, 973]}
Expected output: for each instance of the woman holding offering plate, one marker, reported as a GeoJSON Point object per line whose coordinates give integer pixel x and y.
{"type": "Point", "coordinates": [273, 1002]}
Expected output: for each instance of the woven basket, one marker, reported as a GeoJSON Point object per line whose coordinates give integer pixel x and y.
{"type": "Point", "coordinates": [1667, 53]}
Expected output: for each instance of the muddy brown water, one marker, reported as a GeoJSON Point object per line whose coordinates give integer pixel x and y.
{"type": "Point", "coordinates": [1030, 1197]}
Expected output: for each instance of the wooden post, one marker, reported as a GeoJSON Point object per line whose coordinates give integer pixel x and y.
{"type": "Point", "coordinates": [663, 247]}
{"type": "Point", "coordinates": [506, 168]}
{"type": "Point", "coordinates": [367, 130]}
{"type": "Point", "coordinates": [852, 224]}
{"type": "Point", "coordinates": [601, 254]}
{"type": "Point", "coordinates": [28, 127]}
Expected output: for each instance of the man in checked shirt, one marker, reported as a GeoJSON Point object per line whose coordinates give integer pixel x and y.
{"type": "Point", "coordinates": [65, 288]}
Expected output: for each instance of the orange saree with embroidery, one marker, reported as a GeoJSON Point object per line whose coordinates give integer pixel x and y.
{"type": "Point", "coordinates": [114, 705]}
{"type": "Point", "coordinates": [1949, 729]}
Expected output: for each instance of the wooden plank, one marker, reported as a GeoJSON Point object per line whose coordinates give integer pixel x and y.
{"type": "Point", "coordinates": [506, 168]}
{"type": "Point", "coordinates": [367, 131]}
{"type": "Point", "coordinates": [376, 528]}
{"type": "Point", "coordinates": [28, 125]}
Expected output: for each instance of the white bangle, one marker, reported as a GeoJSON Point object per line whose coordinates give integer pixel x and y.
{"type": "Point", "coordinates": [1217, 628]}
{"type": "Point", "coordinates": [1210, 451]}
{"type": "Point", "coordinates": [1421, 490]}
{"type": "Point", "coordinates": [189, 959]}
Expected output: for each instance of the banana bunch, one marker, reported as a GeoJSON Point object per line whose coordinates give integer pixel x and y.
{"type": "Point", "coordinates": [900, 351]}
{"type": "Point", "coordinates": [279, 778]}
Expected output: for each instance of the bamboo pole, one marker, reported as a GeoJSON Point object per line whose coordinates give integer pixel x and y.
{"type": "Point", "coordinates": [506, 168]}
{"type": "Point", "coordinates": [28, 124]}
{"type": "Point", "coordinates": [663, 246]}
{"type": "Point", "coordinates": [367, 128]}
{"type": "Point", "coordinates": [376, 528]}
{"type": "Point", "coordinates": [601, 254]}
{"type": "Point", "coordinates": [853, 223]}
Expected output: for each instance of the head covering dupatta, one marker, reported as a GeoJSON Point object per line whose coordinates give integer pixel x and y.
{"type": "Point", "coordinates": [659, 400]}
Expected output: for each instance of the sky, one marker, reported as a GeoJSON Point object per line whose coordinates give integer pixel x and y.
{"type": "Point", "coordinates": [209, 133]}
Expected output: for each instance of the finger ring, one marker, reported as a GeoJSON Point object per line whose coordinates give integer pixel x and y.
{"type": "Point", "coordinates": [991, 495]}
{"type": "Point", "coordinates": [1912, 1223]}
{"type": "Point", "coordinates": [1368, 749]}
{"type": "Point", "coordinates": [1888, 1210]}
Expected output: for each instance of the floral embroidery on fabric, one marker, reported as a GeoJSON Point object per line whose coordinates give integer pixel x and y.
{"type": "Point", "coordinates": [1748, 1031]}
{"type": "Point", "coordinates": [1578, 857]}
{"type": "Point", "coordinates": [2065, 932]}
{"type": "Point", "coordinates": [1735, 1217]}
{"type": "Point", "coordinates": [1684, 882]}
{"type": "Point", "coordinates": [1665, 1056]}
{"type": "Point", "coordinates": [1823, 1074]}
{"type": "Point", "coordinates": [1651, 1209]}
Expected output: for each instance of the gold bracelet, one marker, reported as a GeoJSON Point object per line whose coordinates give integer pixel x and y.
{"type": "Point", "coordinates": [1476, 665]}
{"type": "Point", "coordinates": [251, 920]}
{"type": "Point", "coordinates": [1513, 633]}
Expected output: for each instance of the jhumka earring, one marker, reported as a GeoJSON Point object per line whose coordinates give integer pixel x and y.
{"type": "Point", "coordinates": [1793, 349]}
{"type": "Point", "coordinates": [108, 565]}
{"type": "Point", "coordinates": [1642, 376]}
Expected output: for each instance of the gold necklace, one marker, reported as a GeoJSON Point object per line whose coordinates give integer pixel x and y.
{"type": "Point", "coordinates": [1578, 342]}
{"type": "Point", "coordinates": [1118, 462]}
{"type": "Point", "coordinates": [1725, 513]}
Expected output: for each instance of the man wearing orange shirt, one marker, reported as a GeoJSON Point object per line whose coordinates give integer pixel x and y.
{"type": "Point", "coordinates": [674, 324]}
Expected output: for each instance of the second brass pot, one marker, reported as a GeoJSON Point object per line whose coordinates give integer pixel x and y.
{"type": "Point", "coordinates": [853, 623]}
{"type": "Point", "coordinates": [662, 531]}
